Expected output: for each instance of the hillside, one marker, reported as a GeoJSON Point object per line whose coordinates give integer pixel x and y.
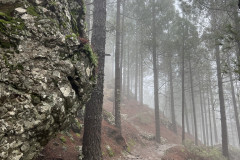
{"type": "Point", "coordinates": [137, 141]}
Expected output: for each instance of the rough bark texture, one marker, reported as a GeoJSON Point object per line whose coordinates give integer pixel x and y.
{"type": "Point", "coordinates": [202, 114]}
{"type": "Point", "coordinates": [213, 111]}
{"type": "Point", "coordinates": [172, 95]}
{"type": "Point", "coordinates": [128, 71]}
{"type": "Point", "coordinates": [186, 115]}
{"type": "Point", "coordinates": [183, 90]}
{"type": "Point", "coordinates": [122, 48]}
{"type": "Point", "coordinates": [206, 117]}
{"type": "Point", "coordinates": [136, 70]}
{"type": "Point", "coordinates": [193, 102]}
{"type": "Point", "coordinates": [155, 74]}
{"type": "Point", "coordinates": [93, 114]}
{"type": "Point", "coordinates": [117, 71]}
{"type": "Point", "coordinates": [209, 117]}
{"type": "Point", "coordinates": [46, 74]}
{"type": "Point", "coordinates": [222, 105]}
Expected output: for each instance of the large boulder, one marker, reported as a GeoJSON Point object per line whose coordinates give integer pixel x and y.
{"type": "Point", "coordinates": [46, 74]}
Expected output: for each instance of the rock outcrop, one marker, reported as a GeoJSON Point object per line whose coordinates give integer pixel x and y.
{"type": "Point", "coordinates": [46, 74]}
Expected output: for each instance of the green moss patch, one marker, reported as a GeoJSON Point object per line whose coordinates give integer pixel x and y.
{"type": "Point", "coordinates": [73, 35]}
{"type": "Point", "coordinates": [63, 139]}
{"type": "Point", "coordinates": [32, 11]}
{"type": "Point", "coordinates": [9, 26]}
{"type": "Point", "coordinates": [110, 151]}
{"type": "Point", "coordinates": [92, 56]}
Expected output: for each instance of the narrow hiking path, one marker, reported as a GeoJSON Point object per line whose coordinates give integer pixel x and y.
{"type": "Point", "coordinates": [149, 150]}
{"type": "Point", "coordinates": [138, 129]}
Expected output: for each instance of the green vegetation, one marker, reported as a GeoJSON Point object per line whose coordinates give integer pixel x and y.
{"type": "Point", "coordinates": [63, 139]}
{"type": "Point", "coordinates": [78, 135]}
{"type": "Point", "coordinates": [8, 26]}
{"type": "Point", "coordinates": [110, 151]}
{"type": "Point", "coordinates": [92, 56]}
{"type": "Point", "coordinates": [130, 144]}
{"type": "Point", "coordinates": [53, 3]}
{"type": "Point", "coordinates": [73, 35]}
{"type": "Point", "coordinates": [204, 152]}
{"type": "Point", "coordinates": [32, 11]}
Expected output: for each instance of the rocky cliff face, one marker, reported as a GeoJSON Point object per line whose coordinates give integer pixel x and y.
{"type": "Point", "coordinates": [46, 74]}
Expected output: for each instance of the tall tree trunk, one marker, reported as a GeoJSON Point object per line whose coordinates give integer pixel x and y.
{"type": "Point", "coordinates": [118, 71]}
{"type": "Point", "coordinates": [155, 73]}
{"type": "Point", "coordinates": [209, 117]}
{"type": "Point", "coordinates": [172, 95]}
{"type": "Point", "coordinates": [187, 117]}
{"type": "Point", "coordinates": [220, 90]}
{"type": "Point", "coordinates": [141, 68]}
{"type": "Point", "coordinates": [206, 116]}
{"type": "Point", "coordinates": [183, 90]}
{"type": "Point", "coordinates": [122, 46]}
{"type": "Point", "coordinates": [93, 113]}
{"type": "Point", "coordinates": [183, 81]}
{"type": "Point", "coordinates": [128, 71]}
{"type": "Point", "coordinates": [202, 114]}
{"type": "Point", "coordinates": [193, 101]}
{"type": "Point", "coordinates": [222, 105]}
{"type": "Point", "coordinates": [136, 71]}
{"type": "Point", "coordinates": [213, 111]}
{"type": "Point", "coordinates": [141, 79]}
{"type": "Point", "coordinates": [234, 102]}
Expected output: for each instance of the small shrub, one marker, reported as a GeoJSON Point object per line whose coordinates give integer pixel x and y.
{"type": "Point", "coordinates": [110, 151]}
{"type": "Point", "coordinates": [63, 139]}
{"type": "Point", "coordinates": [209, 153]}
{"type": "Point", "coordinates": [78, 135]}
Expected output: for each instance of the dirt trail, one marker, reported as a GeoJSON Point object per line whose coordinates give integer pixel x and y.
{"type": "Point", "coordinates": [150, 150]}
{"type": "Point", "coordinates": [148, 153]}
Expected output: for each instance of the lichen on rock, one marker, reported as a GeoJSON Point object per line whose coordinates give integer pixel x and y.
{"type": "Point", "coordinates": [45, 75]}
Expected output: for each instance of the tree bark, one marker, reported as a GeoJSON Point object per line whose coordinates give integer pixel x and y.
{"type": "Point", "coordinates": [172, 95]}
{"type": "Point", "coordinates": [93, 113]}
{"type": "Point", "coordinates": [193, 101]}
{"type": "Point", "coordinates": [213, 111]}
{"type": "Point", "coordinates": [183, 89]}
{"type": "Point", "coordinates": [155, 74]}
{"type": "Point", "coordinates": [206, 116]}
{"type": "Point", "coordinates": [136, 71]}
{"type": "Point", "coordinates": [202, 114]}
{"type": "Point", "coordinates": [141, 69]}
{"type": "Point", "coordinates": [187, 117]}
{"type": "Point", "coordinates": [128, 71]}
{"type": "Point", "coordinates": [209, 117]}
{"type": "Point", "coordinates": [222, 104]}
{"type": "Point", "coordinates": [118, 71]}
{"type": "Point", "coordinates": [122, 47]}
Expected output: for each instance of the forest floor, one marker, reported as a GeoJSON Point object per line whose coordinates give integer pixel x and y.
{"type": "Point", "coordinates": [138, 129]}
{"type": "Point", "coordinates": [137, 142]}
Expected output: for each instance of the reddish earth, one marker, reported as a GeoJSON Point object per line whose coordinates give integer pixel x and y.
{"type": "Point", "coordinates": [136, 142]}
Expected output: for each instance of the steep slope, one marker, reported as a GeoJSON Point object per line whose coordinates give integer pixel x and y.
{"type": "Point", "coordinates": [137, 129]}
{"type": "Point", "coordinates": [46, 74]}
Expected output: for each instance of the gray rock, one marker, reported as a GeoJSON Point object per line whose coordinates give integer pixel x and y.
{"type": "Point", "coordinates": [46, 75]}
